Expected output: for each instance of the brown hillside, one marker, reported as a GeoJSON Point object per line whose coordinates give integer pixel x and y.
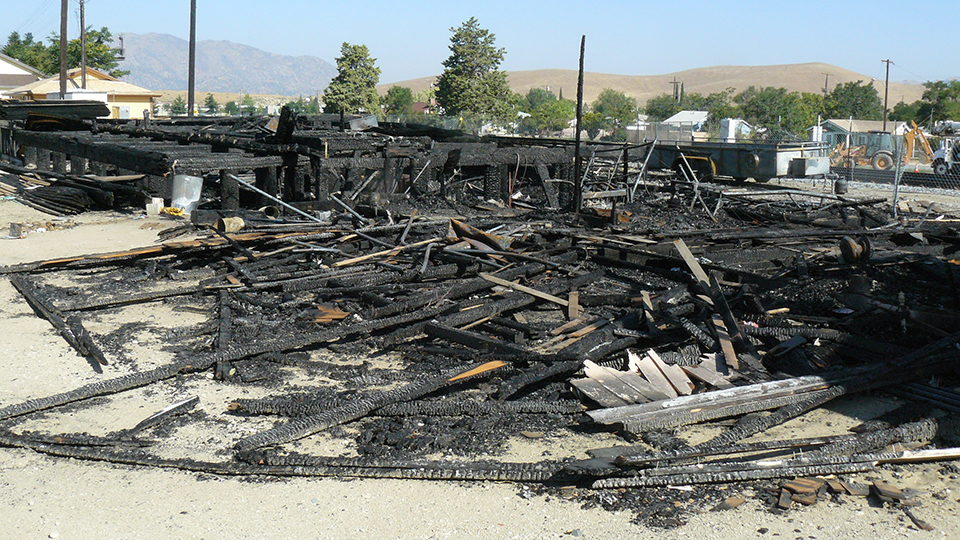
{"type": "Point", "coordinates": [794, 77]}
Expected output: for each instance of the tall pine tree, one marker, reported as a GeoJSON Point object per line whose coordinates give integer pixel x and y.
{"type": "Point", "coordinates": [354, 89]}
{"type": "Point", "coordinates": [471, 81]}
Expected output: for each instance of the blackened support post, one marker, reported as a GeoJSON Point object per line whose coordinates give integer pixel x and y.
{"type": "Point", "coordinates": [59, 160]}
{"type": "Point", "coordinates": [578, 185]}
{"type": "Point", "coordinates": [229, 191]}
{"type": "Point", "coordinates": [266, 180]}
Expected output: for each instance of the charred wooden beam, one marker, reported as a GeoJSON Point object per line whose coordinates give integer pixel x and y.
{"type": "Point", "coordinates": [302, 427]}
{"type": "Point", "coordinates": [149, 162]}
{"type": "Point", "coordinates": [70, 328]}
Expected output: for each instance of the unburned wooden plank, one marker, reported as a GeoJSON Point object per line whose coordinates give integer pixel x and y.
{"type": "Point", "coordinates": [726, 345]}
{"type": "Point", "coordinates": [652, 373]}
{"type": "Point", "coordinates": [678, 379]}
{"type": "Point", "coordinates": [640, 390]}
{"type": "Point", "coordinates": [596, 391]}
{"type": "Point", "coordinates": [707, 375]}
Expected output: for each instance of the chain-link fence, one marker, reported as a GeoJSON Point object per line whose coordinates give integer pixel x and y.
{"type": "Point", "coordinates": [657, 131]}
{"type": "Point", "coordinates": [912, 178]}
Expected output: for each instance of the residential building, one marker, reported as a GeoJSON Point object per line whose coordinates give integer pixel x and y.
{"type": "Point", "coordinates": [14, 73]}
{"type": "Point", "coordinates": [124, 99]}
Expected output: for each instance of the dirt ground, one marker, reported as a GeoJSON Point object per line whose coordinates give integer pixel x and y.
{"type": "Point", "coordinates": [45, 497]}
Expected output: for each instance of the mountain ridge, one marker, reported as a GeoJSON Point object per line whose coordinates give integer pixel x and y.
{"type": "Point", "coordinates": [159, 62]}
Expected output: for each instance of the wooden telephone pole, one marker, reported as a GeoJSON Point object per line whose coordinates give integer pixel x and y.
{"type": "Point", "coordinates": [191, 78]}
{"type": "Point", "coordinates": [886, 92]}
{"type": "Point", "coordinates": [64, 11]}
{"type": "Point", "coordinates": [83, 47]}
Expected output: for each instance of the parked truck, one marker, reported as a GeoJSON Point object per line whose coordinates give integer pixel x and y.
{"type": "Point", "coordinates": [946, 160]}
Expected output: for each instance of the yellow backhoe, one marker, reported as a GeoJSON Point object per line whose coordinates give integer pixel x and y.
{"type": "Point", "coordinates": [910, 137]}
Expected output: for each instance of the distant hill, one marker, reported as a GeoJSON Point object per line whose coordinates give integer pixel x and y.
{"type": "Point", "coordinates": [159, 62]}
{"type": "Point", "coordinates": [794, 77]}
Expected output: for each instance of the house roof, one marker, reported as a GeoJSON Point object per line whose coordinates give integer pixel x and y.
{"type": "Point", "coordinates": [14, 73]}
{"type": "Point", "coordinates": [843, 125]}
{"type": "Point", "coordinates": [97, 81]}
{"type": "Point", "coordinates": [688, 117]}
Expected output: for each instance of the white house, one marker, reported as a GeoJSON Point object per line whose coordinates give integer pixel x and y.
{"type": "Point", "coordinates": [14, 73]}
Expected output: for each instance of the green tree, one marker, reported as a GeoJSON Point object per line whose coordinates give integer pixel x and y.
{"type": "Point", "coordinates": [536, 97]}
{"type": "Point", "coordinates": [179, 106]}
{"type": "Point", "coordinates": [427, 95]}
{"type": "Point", "coordinates": [855, 99]}
{"type": "Point", "coordinates": [661, 107]}
{"type": "Point", "coordinates": [354, 89]}
{"type": "Point", "coordinates": [779, 111]}
{"type": "Point", "coordinates": [211, 105]}
{"type": "Point", "coordinates": [719, 105]}
{"type": "Point", "coordinates": [248, 105]}
{"type": "Point", "coordinates": [299, 106]}
{"type": "Point", "coordinates": [942, 100]}
{"type": "Point", "coordinates": [399, 100]}
{"type": "Point", "coordinates": [30, 52]}
{"type": "Point", "coordinates": [231, 108]}
{"type": "Point", "coordinates": [471, 81]}
{"type": "Point", "coordinates": [554, 115]}
{"type": "Point", "coordinates": [594, 123]}
{"type": "Point", "coordinates": [616, 107]}
{"type": "Point", "coordinates": [905, 112]}
{"type": "Point", "coordinates": [46, 58]}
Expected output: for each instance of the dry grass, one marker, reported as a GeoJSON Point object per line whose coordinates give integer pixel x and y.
{"type": "Point", "coordinates": [794, 77]}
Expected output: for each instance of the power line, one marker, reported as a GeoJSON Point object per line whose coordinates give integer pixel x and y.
{"type": "Point", "coordinates": [35, 15]}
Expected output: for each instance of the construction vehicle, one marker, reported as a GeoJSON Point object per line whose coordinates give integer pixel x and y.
{"type": "Point", "coordinates": [946, 160]}
{"type": "Point", "coordinates": [910, 139]}
{"type": "Point", "coordinates": [946, 127]}
{"type": "Point", "coordinates": [873, 148]}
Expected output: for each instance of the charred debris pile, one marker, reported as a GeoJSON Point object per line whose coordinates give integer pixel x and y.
{"type": "Point", "coordinates": [659, 304]}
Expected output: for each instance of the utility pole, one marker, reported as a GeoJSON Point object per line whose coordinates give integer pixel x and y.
{"type": "Point", "coordinates": [83, 48]}
{"type": "Point", "coordinates": [676, 89]}
{"type": "Point", "coordinates": [64, 11]}
{"type": "Point", "coordinates": [886, 92]}
{"type": "Point", "coordinates": [191, 78]}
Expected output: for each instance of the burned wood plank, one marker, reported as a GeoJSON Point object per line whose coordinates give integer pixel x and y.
{"type": "Point", "coordinates": [708, 376]}
{"type": "Point", "coordinates": [309, 425]}
{"type": "Point", "coordinates": [145, 161]}
{"type": "Point", "coordinates": [522, 288]}
{"type": "Point", "coordinates": [470, 339]}
{"type": "Point", "coordinates": [71, 328]}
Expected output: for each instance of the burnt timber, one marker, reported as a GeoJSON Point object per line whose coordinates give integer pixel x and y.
{"type": "Point", "coordinates": [305, 160]}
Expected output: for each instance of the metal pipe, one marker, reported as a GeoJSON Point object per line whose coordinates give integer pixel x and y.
{"type": "Point", "coordinates": [274, 199]}
{"type": "Point", "coordinates": [348, 209]}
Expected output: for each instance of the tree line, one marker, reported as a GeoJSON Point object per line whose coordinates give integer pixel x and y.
{"type": "Point", "coordinates": [45, 58]}
{"type": "Point", "coordinates": [472, 87]}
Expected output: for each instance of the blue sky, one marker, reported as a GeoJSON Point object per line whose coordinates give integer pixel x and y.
{"type": "Point", "coordinates": [411, 39]}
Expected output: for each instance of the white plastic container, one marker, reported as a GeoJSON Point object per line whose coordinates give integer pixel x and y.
{"type": "Point", "coordinates": [186, 192]}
